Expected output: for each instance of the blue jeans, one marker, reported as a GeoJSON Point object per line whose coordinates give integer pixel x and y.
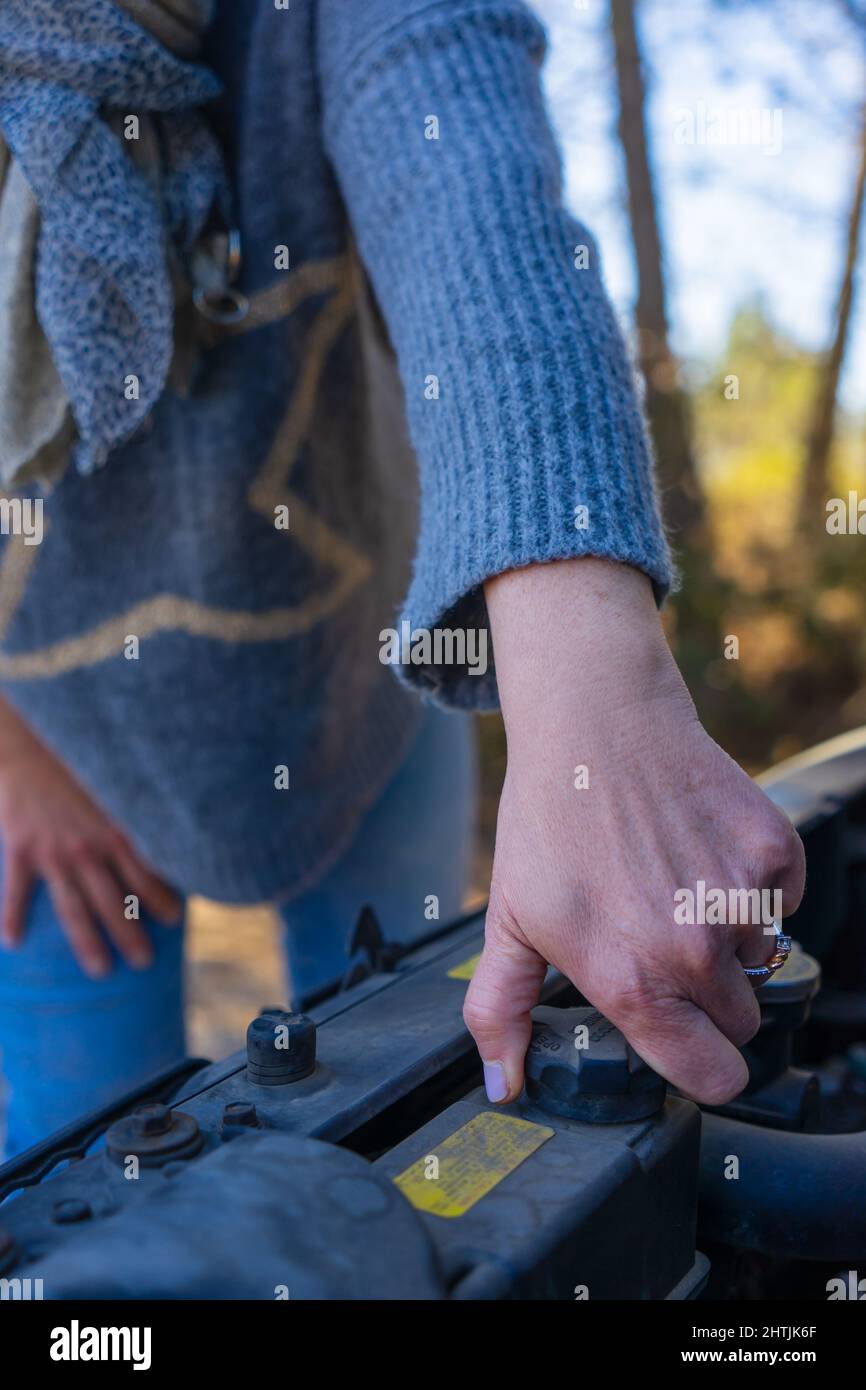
{"type": "Point", "coordinates": [69, 1044]}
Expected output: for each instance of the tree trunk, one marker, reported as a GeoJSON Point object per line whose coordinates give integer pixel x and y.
{"type": "Point", "coordinates": [666, 404]}
{"type": "Point", "coordinates": [815, 485]}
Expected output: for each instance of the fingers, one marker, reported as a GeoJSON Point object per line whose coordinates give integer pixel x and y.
{"type": "Point", "coordinates": [779, 860]}
{"type": "Point", "coordinates": [690, 1017]}
{"type": "Point", "coordinates": [692, 1041]}
{"type": "Point", "coordinates": [728, 999]}
{"type": "Point", "coordinates": [88, 886]}
{"type": "Point", "coordinates": [779, 870]}
{"type": "Point", "coordinates": [681, 1042]}
{"type": "Point", "coordinates": [18, 880]}
{"type": "Point", "coordinates": [504, 988]}
{"type": "Point", "coordinates": [155, 896]}
{"type": "Point", "coordinates": [104, 897]}
{"type": "Point", "coordinates": [790, 874]}
{"type": "Point", "coordinates": [753, 942]}
{"type": "Point", "coordinates": [76, 921]}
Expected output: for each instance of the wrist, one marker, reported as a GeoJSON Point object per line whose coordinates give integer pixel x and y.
{"type": "Point", "coordinates": [576, 639]}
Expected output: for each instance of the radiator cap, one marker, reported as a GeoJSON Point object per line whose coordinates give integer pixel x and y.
{"type": "Point", "coordinates": [579, 1065]}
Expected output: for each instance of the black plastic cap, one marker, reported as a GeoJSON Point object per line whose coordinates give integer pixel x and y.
{"type": "Point", "coordinates": [281, 1047]}
{"type": "Point", "coordinates": [579, 1065]}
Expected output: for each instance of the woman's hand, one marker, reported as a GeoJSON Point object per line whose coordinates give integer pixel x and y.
{"type": "Point", "coordinates": [584, 876]}
{"type": "Point", "coordinates": [51, 829]}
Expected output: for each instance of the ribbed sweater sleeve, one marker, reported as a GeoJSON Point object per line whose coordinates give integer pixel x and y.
{"type": "Point", "coordinates": [520, 397]}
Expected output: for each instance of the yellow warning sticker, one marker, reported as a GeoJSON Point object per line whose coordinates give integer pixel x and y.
{"type": "Point", "coordinates": [466, 969]}
{"type": "Point", "coordinates": [470, 1162]}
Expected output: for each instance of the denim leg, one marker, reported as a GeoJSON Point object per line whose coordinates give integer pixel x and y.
{"type": "Point", "coordinates": [68, 1044]}
{"type": "Point", "coordinates": [416, 843]}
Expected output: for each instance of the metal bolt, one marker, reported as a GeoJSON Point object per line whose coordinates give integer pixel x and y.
{"type": "Point", "coordinates": [154, 1135]}
{"type": "Point", "coordinates": [152, 1119]}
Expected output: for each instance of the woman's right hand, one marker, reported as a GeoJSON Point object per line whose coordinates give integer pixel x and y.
{"type": "Point", "coordinates": [52, 829]}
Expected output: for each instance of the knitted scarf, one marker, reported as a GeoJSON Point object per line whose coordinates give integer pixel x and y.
{"type": "Point", "coordinates": [110, 185]}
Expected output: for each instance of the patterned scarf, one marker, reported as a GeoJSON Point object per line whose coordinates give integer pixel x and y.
{"type": "Point", "coordinates": [112, 191]}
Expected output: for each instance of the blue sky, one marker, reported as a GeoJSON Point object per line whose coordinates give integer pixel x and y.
{"type": "Point", "coordinates": [737, 221]}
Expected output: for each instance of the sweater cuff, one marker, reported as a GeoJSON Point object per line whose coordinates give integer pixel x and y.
{"type": "Point", "coordinates": [520, 398]}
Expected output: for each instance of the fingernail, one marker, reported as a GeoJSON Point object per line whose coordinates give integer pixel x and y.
{"type": "Point", "coordinates": [97, 967]}
{"type": "Point", "coordinates": [495, 1083]}
{"type": "Point", "coordinates": [140, 959]}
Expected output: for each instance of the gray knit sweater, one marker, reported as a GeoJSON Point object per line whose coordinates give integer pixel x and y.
{"type": "Point", "coordinates": [198, 633]}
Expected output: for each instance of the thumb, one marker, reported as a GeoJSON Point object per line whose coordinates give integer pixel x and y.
{"type": "Point", "coordinates": [505, 986]}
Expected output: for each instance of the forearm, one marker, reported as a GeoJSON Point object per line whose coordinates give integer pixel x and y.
{"type": "Point", "coordinates": [519, 393]}
{"type": "Point", "coordinates": [575, 639]}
